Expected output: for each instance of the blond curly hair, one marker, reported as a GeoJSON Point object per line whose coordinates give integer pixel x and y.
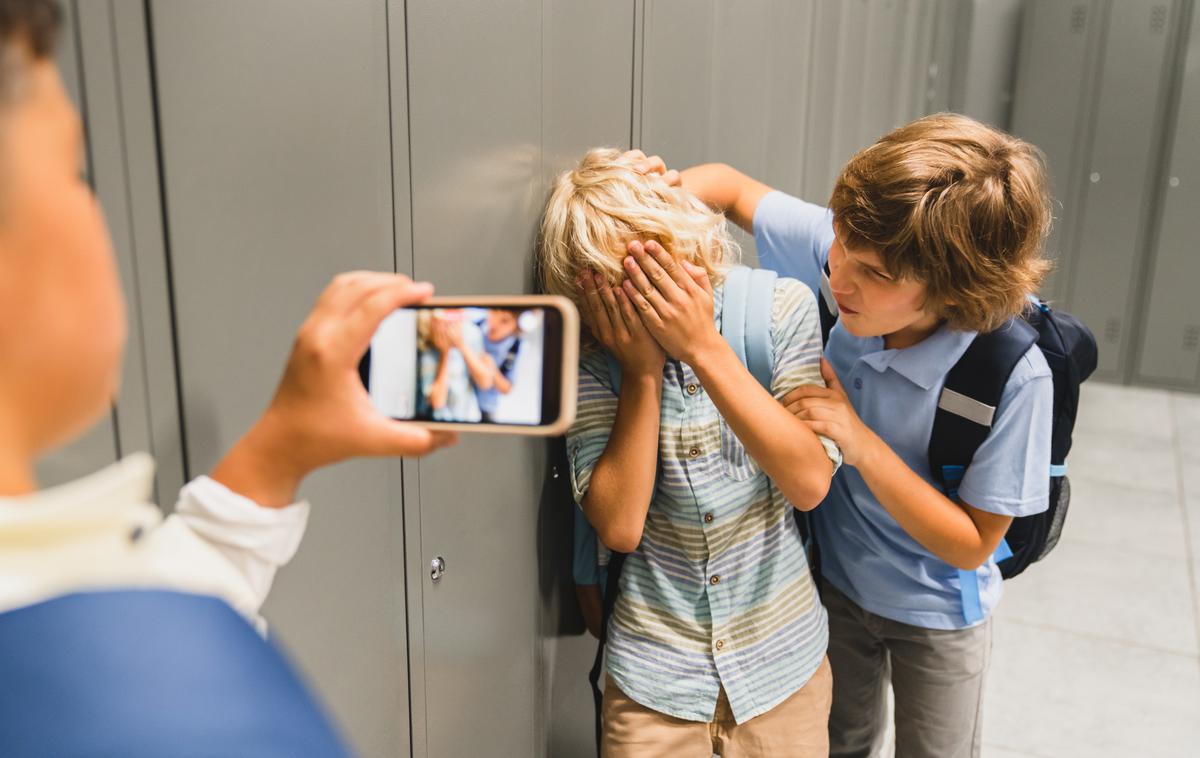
{"type": "Point", "coordinates": [602, 204]}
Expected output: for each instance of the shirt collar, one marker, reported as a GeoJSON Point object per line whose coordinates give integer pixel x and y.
{"type": "Point", "coordinates": [114, 497]}
{"type": "Point", "coordinates": [924, 363]}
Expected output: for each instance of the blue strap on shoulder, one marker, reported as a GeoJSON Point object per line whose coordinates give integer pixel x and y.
{"type": "Point", "coordinates": [749, 296]}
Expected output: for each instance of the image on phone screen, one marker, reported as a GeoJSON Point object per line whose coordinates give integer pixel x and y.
{"type": "Point", "coordinates": [467, 365]}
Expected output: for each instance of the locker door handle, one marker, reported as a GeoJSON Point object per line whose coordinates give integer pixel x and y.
{"type": "Point", "coordinates": [437, 567]}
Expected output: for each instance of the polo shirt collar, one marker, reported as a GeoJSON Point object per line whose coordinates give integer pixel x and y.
{"type": "Point", "coordinates": [924, 363]}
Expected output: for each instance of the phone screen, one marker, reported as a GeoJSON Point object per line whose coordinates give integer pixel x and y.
{"type": "Point", "coordinates": [467, 365]}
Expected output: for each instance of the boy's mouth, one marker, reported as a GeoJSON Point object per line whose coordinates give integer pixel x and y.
{"type": "Point", "coordinates": [843, 309]}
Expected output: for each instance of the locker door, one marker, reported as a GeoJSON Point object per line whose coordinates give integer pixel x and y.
{"type": "Point", "coordinates": [1171, 337]}
{"type": "Point", "coordinates": [729, 84]}
{"type": "Point", "coordinates": [97, 447]}
{"type": "Point", "coordinates": [278, 173]}
{"type": "Point", "coordinates": [588, 73]}
{"type": "Point", "coordinates": [475, 127]}
{"type": "Point", "coordinates": [1052, 89]}
{"type": "Point", "coordinates": [1120, 170]}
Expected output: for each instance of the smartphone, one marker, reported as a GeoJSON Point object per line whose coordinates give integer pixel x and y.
{"type": "Point", "coordinates": [479, 364]}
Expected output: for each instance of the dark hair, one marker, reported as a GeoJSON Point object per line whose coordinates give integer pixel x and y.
{"type": "Point", "coordinates": [34, 22]}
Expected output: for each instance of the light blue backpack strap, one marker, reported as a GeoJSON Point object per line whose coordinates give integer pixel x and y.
{"type": "Point", "coordinates": [969, 592]}
{"type": "Point", "coordinates": [760, 357]}
{"type": "Point", "coordinates": [733, 310]}
{"type": "Point", "coordinates": [749, 296]}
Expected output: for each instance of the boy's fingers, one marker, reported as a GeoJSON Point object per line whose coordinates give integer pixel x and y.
{"type": "Point", "coordinates": [698, 275]}
{"type": "Point", "coordinates": [806, 391]}
{"type": "Point", "coordinates": [673, 179]}
{"type": "Point", "coordinates": [610, 305]}
{"type": "Point", "coordinates": [829, 375]}
{"type": "Point", "coordinates": [597, 317]}
{"type": "Point", "coordinates": [378, 303]}
{"type": "Point", "coordinates": [678, 274]}
{"type": "Point", "coordinates": [646, 313]}
{"type": "Point", "coordinates": [342, 290]}
{"type": "Point", "coordinates": [388, 437]}
{"type": "Point", "coordinates": [633, 322]}
{"type": "Point", "coordinates": [642, 285]}
{"type": "Point", "coordinates": [633, 156]}
{"type": "Point", "coordinates": [657, 275]}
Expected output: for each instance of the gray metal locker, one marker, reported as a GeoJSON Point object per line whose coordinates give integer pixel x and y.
{"type": "Point", "coordinates": [1120, 166]}
{"type": "Point", "coordinates": [542, 83]}
{"type": "Point", "coordinates": [728, 84]}
{"type": "Point", "coordinates": [1056, 78]}
{"type": "Point", "coordinates": [276, 147]}
{"type": "Point", "coordinates": [1170, 346]}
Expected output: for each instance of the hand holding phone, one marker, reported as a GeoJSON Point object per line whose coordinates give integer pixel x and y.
{"type": "Point", "coordinates": [320, 413]}
{"type": "Point", "coordinates": [490, 364]}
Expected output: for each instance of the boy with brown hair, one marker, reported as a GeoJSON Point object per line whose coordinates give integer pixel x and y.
{"type": "Point", "coordinates": [933, 235]}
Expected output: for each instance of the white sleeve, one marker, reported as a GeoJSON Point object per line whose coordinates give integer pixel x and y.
{"type": "Point", "coordinates": [255, 540]}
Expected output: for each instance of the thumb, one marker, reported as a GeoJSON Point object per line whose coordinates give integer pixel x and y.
{"type": "Point", "coordinates": [388, 437]}
{"type": "Point", "coordinates": [829, 375]}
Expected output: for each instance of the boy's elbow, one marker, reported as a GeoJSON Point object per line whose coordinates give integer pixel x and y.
{"type": "Point", "coordinates": [809, 490]}
{"type": "Point", "coordinates": [621, 538]}
{"type": "Point", "coordinates": [970, 561]}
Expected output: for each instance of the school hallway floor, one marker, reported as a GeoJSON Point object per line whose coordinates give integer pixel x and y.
{"type": "Point", "coordinates": [1097, 649]}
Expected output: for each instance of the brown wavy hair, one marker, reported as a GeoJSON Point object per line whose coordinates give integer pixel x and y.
{"type": "Point", "coordinates": [957, 205]}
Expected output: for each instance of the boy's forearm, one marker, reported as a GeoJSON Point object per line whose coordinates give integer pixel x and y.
{"type": "Point", "coordinates": [727, 190]}
{"type": "Point", "coordinates": [781, 444]}
{"type": "Point", "coordinates": [622, 482]}
{"type": "Point", "coordinates": [940, 525]}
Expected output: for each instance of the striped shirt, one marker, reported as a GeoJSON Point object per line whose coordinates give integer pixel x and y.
{"type": "Point", "coordinates": [718, 593]}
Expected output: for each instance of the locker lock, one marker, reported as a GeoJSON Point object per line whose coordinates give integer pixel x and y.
{"type": "Point", "coordinates": [437, 567]}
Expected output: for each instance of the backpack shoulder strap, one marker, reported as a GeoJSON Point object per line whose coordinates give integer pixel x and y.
{"type": "Point", "coordinates": [963, 419]}
{"type": "Point", "coordinates": [749, 296]}
{"type": "Point", "coordinates": [826, 306]}
{"type": "Point", "coordinates": [968, 401]}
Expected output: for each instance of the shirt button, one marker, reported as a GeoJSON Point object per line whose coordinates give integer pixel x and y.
{"type": "Point", "coordinates": [858, 383]}
{"type": "Point", "coordinates": [720, 644]}
{"type": "Point", "coordinates": [694, 452]}
{"type": "Point", "coordinates": [708, 518]}
{"type": "Point", "coordinates": [714, 579]}
{"type": "Point", "coordinates": [691, 389]}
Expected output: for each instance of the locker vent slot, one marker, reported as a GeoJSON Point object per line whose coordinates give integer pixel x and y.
{"type": "Point", "coordinates": [1158, 19]}
{"type": "Point", "coordinates": [1078, 18]}
{"type": "Point", "coordinates": [1191, 337]}
{"type": "Point", "coordinates": [1112, 330]}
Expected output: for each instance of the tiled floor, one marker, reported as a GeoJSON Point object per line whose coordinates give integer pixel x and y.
{"type": "Point", "coordinates": [1097, 648]}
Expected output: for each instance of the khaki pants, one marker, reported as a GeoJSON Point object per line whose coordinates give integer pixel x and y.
{"type": "Point", "coordinates": [936, 676]}
{"type": "Point", "coordinates": [796, 728]}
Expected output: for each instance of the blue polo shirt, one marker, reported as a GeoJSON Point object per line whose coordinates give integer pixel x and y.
{"type": "Point", "coordinates": [864, 551]}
